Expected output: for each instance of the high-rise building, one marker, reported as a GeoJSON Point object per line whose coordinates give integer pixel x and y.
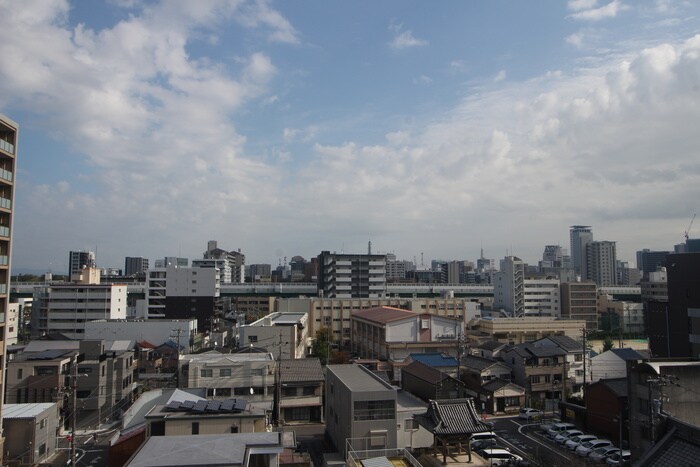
{"type": "Point", "coordinates": [580, 236]}
{"type": "Point", "coordinates": [78, 260]}
{"type": "Point", "coordinates": [8, 153]}
{"type": "Point", "coordinates": [509, 286]}
{"type": "Point", "coordinates": [172, 261]}
{"type": "Point", "coordinates": [579, 300]}
{"type": "Point", "coordinates": [601, 263]}
{"type": "Point", "coordinates": [649, 261]}
{"type": "Point", "coordinates": [351, 276]}
{"type": "Point", "coordinates": [135, 265]}
{"type": "Point", "coordinates": [231, 265]}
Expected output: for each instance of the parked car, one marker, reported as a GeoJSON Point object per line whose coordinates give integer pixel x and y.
{"type": "Point", "coordinates": [528, 413]}
{"type": "Point", "coordinates": [498, 456]}
{"type": "Point", "coordinates": [482, 435]}
{"type": "Point", "coordinates": [562, 437]}
{"type": "Point", "coordinates": [484, 444]}
{"type": "Point", "coordinates": [602, 453]}
{"type": "Point", "coordinates": [586, 448]}
{"type": "Point", "coordinates": [558, 428]}
{"type": "Point", "coordinates": [574, 442]}
{"type": "Point", "coordinates": [620, 458]}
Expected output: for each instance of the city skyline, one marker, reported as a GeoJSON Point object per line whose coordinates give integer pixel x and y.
{"type": "Point", "coordinates": [287, 129]}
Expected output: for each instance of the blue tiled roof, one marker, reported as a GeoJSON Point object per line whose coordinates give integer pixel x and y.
{"type": "Point", "coordinates": [434, 359]}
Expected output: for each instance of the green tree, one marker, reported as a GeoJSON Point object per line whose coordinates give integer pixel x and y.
{"type": "Point", "coordinates": [321, 347]}
{"type": "Point", "coordinates": [608, 343]}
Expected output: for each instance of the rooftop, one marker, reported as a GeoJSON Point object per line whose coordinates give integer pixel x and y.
{"type": "Point", "coordinates": [426, 373]}
{"type": "Point", "coordinates": [434, 359]}
{"type": "Point", "coordinates": [301, 370]}
{"type": "Point", "coordinates": [452, 417]}
{"type": "Point", "coordinates": [27, 410]}
{"type": "Point", "coordinates": [358, 379]}
{"type": "Point", "coordinates": [384, 314]}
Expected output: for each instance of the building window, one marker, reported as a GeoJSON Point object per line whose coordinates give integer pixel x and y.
{"type": "Point", "coordinates": [410, 425]}
{"type": "Point", "coordinates": [374, 410]}
{"type": "Point", "coordinates": [204, 373]}
{"type": "Point", "coordinates": [195, 428]}
{"type": "Point", "coordinates": [252, 339]}
{"type": "Point", "coordinates": [225, 372]}
{"type": "Point", "coordinates": [42, 423]}
{"type": "Point", "coordinates": [19, 373]}
{"type": "Point", "coordinates": [534, 379]}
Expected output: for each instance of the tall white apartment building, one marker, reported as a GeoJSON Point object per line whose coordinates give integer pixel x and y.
{"type": "Point", "coordinates": [9, 132]}
{"type": "Point", "coordinates": [66, 308]}
{"type": "Point", "coordinates": [509, 286]}
{"type": "Point", "coordinates": [542, 296]}
{"type": "Point", "coordinates": [351, 276]}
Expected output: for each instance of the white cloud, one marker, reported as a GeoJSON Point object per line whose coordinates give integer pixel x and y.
{"type": "Point", "coordinates": [404, 39]}
{"type": "Point", "coordinates": [596, 14]}
{"type": "Point", "coordinates": [500, 76]}
{"type": "Point", "coordinates": [578, 5]}
{"type": "Point", "coordinates": [423, 79]}
{"type": "Point", "coordinates": [260, 14]}
{"type": "Point", "coordinates": [575, 39]}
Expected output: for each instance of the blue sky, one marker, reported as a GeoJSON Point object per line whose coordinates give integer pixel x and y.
{"type": "Point", "coordinates": [287, 128]}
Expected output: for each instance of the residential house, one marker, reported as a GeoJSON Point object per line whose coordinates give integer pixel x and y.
{"type": "Point", "coordinates": [606, 409]}
{"type": "Point", "coordinates": [429, 383]}
{"type": "Point", "coordinates": [360, 409]}
{"type": "Point", "coordinates": [488, 349]}
{"type": "Point", "coordinates": [285, 335]}
{"type": "Point", "coordinates": [499, 396]}
{"type": "Point", "coordinates": [613, 363]}
{"type": "Point", "coordinates": [539, 369]}
{"type": "Point", "coordinates": [301, 392]}
{"type": "Point", "coordinates": [489, 382]}
{"type": "Point", "coordinates": [30, 432]}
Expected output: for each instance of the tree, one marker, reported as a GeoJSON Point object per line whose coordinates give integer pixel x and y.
{"type": "Point", "coordinates": [608, 343]}
{"type": "Point", "coordinates": [321, 347]}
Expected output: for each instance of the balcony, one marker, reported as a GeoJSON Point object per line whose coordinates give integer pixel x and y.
{"type": "Point", "coordinates": [5, 203]}
{"type": "Point", "coordinates": [7, 146]}
{"type": "Point", "coordinates": [4, 231]}
{"type": "Point", "coordinates": [6, 175]}
{"type": "Point", "coordinates": [4, 260]}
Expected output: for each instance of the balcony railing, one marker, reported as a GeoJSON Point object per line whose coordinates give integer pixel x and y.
{"type": "Point", "coordinates": [4, 260]}
{"type": "Point", "coordinates": [6, 175]}
{"type": "Point", "coordinates": [5, 203]}
{"type": "Point", "coordinates": [4, 231]}
{"type": "Point", "coordinates": [7, 146]}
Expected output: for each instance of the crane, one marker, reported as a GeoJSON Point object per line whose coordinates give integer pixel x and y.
{"type": "Point", "coordinates": [687, 232]}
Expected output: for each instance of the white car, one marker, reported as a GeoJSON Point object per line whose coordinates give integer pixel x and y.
{"type": "Point", "coordinates": [529, 414]}
{"type": "Point", "coordinates": [574, 442]}
{"type": "Point", "coordinates": [564, 436]}
{"type": "Point", "coordinates": [600, 454]}
{"type": "Point", "coordinates": [498, 456]}
{"type": "Point", "coordinates": [621, 458]}
{"type": "Point", "coordinates": [558, 428]}
{"type": "Point", "coordinates": [586, 448]}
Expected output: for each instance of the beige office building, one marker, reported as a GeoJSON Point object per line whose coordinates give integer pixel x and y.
{"type": "Point", "coordinates": [519, 330]}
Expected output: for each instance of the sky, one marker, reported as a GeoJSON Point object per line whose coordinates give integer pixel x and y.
{"type": "Point", "coordinates": [286, 128]}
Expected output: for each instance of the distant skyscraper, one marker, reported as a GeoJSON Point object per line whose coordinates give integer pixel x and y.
{"type": "Point", "coordinates": [351, 276]}
{"type": "Point", "coordinates": [509, 286]}
{"type": "Point", "coordinates": [649, 261]}
{"type": "Point", "coordinates": [8, 155]}
{"type": "Point", "coordinates": [580, 235]}
{"type": "Point", "coordinates": [601, 263]}
{"type": "Point", "coordinates": [134, 265]}
{"type": "Point", "coordinates": [78, 260]}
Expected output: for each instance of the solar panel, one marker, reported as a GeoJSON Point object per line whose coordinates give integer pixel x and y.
{"type": "Point", "coordinates": [241, 404]}
{"type": "Point", "coordinates": [213, 406]}
{"type": "Point", "coordinates": [187, 404]}
{"type": "Point", "coordinates": [200, 406]}
{"type": "Point", "coordinates": [228, 404]}
{"type": "Point", "coordinates": [49, 354]}
{"type": "Point", "coordinates": [173, 405]}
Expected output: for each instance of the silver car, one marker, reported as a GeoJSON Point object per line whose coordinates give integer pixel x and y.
{"type": "Point", "coordinates": [600, 454]}
{"type": "Point", "coordinates": [559, 428]}
{"type": "Point", "coordinates": [563, 437]}
{"type": "Point", "coordinates": [575, 441]}
{"type": "Point", "coordinates": [586, 448]}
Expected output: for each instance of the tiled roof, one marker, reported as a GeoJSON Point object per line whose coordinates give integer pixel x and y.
{"type": "Point", "coordinates": [384, 314]}
{"type": "Point", "coordinates": [434, 359]}
{"type": "Point", "coordinates": [617, 385]}
{"type": "Point", "coordinates": [672, 449]}
{"type": "Point", "coordinates": [566, 343]}
{"type": "Point", "coordinates": [425, 372]}
{"type": "Point", "coordinates": [497, 384]}
{"type": "Point", "coordinates": [452, 417]}
{"type": "Point", "coordinates": [491, 345]}
{"type": "Point", "coordinates": [628, 354]}
{"type": "Point", "coordinates": [146, 345]}
{"type": "Point", "coordinates": [478, 363]}
{"type": "Point", "coordinates": [301, 370]}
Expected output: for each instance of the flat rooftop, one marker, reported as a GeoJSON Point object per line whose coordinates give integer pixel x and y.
{"type": "Point", "coordinates": [358, 379]}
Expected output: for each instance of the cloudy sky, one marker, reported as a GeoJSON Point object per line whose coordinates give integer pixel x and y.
{"type": "Point", "coordinates": [287, 128]}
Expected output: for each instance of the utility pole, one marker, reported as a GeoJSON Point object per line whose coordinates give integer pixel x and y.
{"type": "Point", "coordinates": [74, 406]}
{"type": "Point", "coordinates": [659, 381]}
{"type": "Point", "coordinates": [585, 357]}
{"type": "Point", "coordinates": [177, 331]}
{"type": "Point", "coordinates": [460, 353]}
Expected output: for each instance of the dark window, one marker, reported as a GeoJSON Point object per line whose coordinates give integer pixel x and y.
{"type": "Point", "coordinates": [195, 428]}
{"type": "Point", "coordinates": [374, 410]}
{"type": "Point", "coordinates": [234, 429]}
{"type": "Point", "coordinates": [158, 428]}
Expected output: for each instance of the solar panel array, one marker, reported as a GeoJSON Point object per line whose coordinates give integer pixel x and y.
{"type": "Point", "coordinates": [202, 406]}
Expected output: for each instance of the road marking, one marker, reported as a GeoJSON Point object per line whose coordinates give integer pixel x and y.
{"type": "Point", "coordinates": [520, 427]}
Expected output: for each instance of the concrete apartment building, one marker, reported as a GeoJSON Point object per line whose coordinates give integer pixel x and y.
{"type": "Point", "coordinates": [134, 265]}
{"type": "Point", "coordinates": [351, 276]}
{"type": "Point", "coordinates": [9, 136]}
{"type": "Point", "coordinates": [387, 333]}
{"type": "Point", "coordinates": [579, 301]}
{"type": "Point", "coordinates": [231, 264]}
{"type": "Point", "coordinates": [285, 335]}
{"type": "Point", "coordinates": [182, 293]}
{"type": "Point", "coordinates": [155, 331]}
{"type": "Point", "coordinates": [509, 286]}
{"type": "Point", "coordinates": [78, 260]}
{"type": "Point", "coordinates": [620, 315]}
{"type": "Point", "coordinates": [248, 375]}
{"type": "Point", "coordinates": [649, 261]}
{"type": "Point", "coordinates": [66, 308]}
{"type": "Point", "coordinates": [360, 408]}
{"type": "Point", "coordinates": [601, 263]}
